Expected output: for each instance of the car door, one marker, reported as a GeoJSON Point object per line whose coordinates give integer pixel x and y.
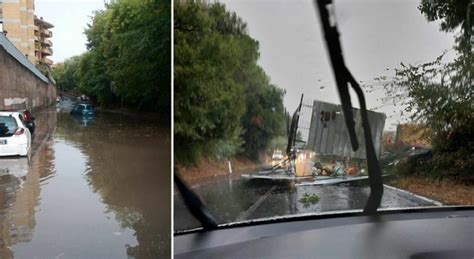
{"type": "Point", "coordinates": [21, 121]}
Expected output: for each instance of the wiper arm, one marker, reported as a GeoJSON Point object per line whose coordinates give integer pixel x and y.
{"type": "Point", "coordinates": [195, 205]}
{"type": "Point", "coordinates": [293, 130]}
{"type": "Point", "coordinates": [343, 79]}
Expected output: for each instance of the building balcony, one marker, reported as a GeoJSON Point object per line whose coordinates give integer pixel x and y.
{"type": "Point", "coordinates": [47, 51]}
{"type": "Point", "coordinates": [47, 43]}
{"type": "Point", "coordinates": [39, 55]}
{"type": "Point", "coordinates": [47, 61]}
{"type": "Point", "coordinates": [47, 33]}
{"type": "Point", "coordinates": [42, 23]}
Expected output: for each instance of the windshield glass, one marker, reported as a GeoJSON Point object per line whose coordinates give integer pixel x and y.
{"type": "Point", "coordinates": [255, 77]}
{"type": "Point", "coordinates": [7, 126]}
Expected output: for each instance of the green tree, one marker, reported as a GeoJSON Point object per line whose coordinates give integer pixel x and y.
{"type": "Point", "coordinates": [452, 13]}
{"type": "Point", "coordinates": [92, 78]}
{"type": "Point", "coordinates": [224, 103]}
{"type": "Point", "coordinates": [63, 74]}
{"type": "Point", "coordinates": [128, 62]}
{"type": "Point", "coordinates": [138, 52]}
{"type": "Point", "coordinates": [264, 117]}
{"type": "Point", "coordinates": [440, 94]}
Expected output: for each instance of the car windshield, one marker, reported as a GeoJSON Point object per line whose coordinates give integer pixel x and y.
{"type": "Point", "coordinates": [8, 126]}
{"type": "Point", "coordinates": [253, 77]}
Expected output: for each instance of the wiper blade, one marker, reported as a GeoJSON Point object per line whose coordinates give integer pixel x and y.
{"type": "Point", "coordinates": [293, 130]}
{"type": "Point", "coordinates": [343, 79]}
{"type": "Point", "coordinates": [195, 205]}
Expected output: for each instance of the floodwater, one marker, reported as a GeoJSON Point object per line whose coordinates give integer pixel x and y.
{"type": "Point", "coordinates": [91, 189]}
{"type": "Point", "coordinates": [232, 199]}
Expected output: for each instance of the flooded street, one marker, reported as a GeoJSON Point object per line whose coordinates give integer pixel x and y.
{"type": "Point", "coordinates": [232, 199]}
{"type": "Point", "coordinates": [91, 189]}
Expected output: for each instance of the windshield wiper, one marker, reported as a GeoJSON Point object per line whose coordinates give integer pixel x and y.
{"type": "Point", "coordinates": [292, 130]}
{"type": "Point", "coordinates": [195, 205]}
{"type": "Point", "coordinates": [343, 79]}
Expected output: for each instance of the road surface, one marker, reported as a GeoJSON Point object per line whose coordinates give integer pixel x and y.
{"type": "Point", "coordinates": [89, 189]}
{"type": "Point", "coordinates": [233, 199]}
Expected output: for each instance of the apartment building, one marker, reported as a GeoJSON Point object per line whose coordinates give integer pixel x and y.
{"type": "Point", "coordinates": [43, 43]}
{"type": "Point", "coordinates": [30, 34]}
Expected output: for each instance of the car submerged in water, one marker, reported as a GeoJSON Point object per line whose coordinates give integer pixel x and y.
{"type": "Point", "coordinates": [15, 137]}
{"type": "Point", "coordinates": [83, 109]}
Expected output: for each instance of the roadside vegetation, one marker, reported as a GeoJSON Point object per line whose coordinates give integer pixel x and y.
{"type": "Point", "coordinates": [225, 105]}
{"type": "Point", "coordinates": [439, 95]}
{"type": "Point", "coordinates": [128, 62]}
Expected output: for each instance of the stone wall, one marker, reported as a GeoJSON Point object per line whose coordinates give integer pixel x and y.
{"type": "Point", "coordinates": [20, 87]}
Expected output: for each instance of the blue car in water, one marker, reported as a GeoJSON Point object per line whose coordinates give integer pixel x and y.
{"type": "Point", "coordinates": [83, 109]}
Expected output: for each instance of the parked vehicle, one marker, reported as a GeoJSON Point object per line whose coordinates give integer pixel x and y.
{"type": "Point", "coordinates": [277, 155]}
{"type": "Point", "coordinates": [15, 137]}
{"type": "Point", "coordinates": [83, 109]}
{"type": "Point", "coordinates": [29, 120]}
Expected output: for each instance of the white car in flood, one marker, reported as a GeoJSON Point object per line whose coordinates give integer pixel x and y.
{"type": "Point", "coordinates": [15, 138]}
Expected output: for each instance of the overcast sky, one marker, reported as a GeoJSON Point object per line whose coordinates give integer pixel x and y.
{"type": "Point", "coordinates": [375, 35]}
{"type": "Point", "coordinates": [69, 18]}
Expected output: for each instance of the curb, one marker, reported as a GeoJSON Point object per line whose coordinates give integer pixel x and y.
{"type": "Point", "coordinates": [437, 203]}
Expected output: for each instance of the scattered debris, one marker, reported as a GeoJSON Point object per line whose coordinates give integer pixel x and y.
{"type": "Point", "coordinates": [310, 198]}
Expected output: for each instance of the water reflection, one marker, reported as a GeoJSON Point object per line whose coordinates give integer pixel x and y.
{"type": "Point", "coordinates": [246, 200]}
{"type": "Point", "coordinates": [96, 191]}
{"type": "Point", "coordinates": [84, 121]}
{"type": "Point", "coordinates": [129, 166]}
{"type": "Point", "coordinates": [20, 188]}
{"type": "Point", "coordinates": [19, 192]}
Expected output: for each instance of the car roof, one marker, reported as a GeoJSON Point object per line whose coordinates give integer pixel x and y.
{"type": "Point", "coordinates": [6, 113]}
{"type": "Point", "coordinates": [13, 110]}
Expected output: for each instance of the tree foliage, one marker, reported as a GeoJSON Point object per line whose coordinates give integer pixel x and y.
{"type": "Point", "coordinates": [63, 74]}
{"type": "Point", "coordinates": [452, 13]}
{"type": "Point", "coordinates": [224, 102]}
{"type": "Point", "coordinates": [128, 61]}
{"type": "Point", "coordinates": [440, 94]}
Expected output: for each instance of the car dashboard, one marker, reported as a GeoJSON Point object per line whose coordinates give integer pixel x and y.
{"type": "Point", "coordinates": [411, 233]}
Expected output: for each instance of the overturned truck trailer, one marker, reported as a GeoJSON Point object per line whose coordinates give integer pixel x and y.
{"type": "Point", "coordinates": [328, 133]}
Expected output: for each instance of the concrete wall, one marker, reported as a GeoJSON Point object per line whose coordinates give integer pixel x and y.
{"type": "Point", "coordinates": [20, 87]}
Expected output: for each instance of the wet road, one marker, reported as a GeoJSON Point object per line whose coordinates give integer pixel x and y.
{"type": "Point", "coordinates": [89, 190]}
{"type": "Point", "coordinates": [233, 199]}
